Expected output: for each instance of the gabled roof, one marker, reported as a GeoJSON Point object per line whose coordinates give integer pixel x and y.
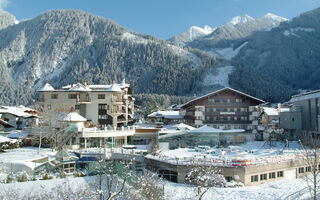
{"type": "Point", "coordinates": [208, 129]}
{"type": "Point", "coordinates": [46, 87]}
{"type": "Point", "coordinates": [73, 117]}
{"type": "Point", "coordinates": [223, 89]}
{"type": "Point", "coordinates": [114, 88]}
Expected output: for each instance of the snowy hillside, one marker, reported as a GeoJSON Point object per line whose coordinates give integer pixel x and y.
{"type": "Point", "coordinates": [67, 46]}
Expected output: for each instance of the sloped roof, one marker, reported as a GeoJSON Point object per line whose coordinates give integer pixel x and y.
{"type": "Point", "coordinates": [46, 87]}
{"type": "Point", "coordinates": [114, 88]}
{"type": "Point", "coordinates": [72, 117]}
{"type": "Point", "coordinates": [168, 114]}
{"type": "Point", "coordinates": [207, 129]}
{"type": "Point", "coordinates": [17, 111]}
{"type": "Point", "coordinates": [226, 88]}
{"type": "Point", "coordinates": [79, 87]}
{"type": "Point", "coordinates": [182, 126]}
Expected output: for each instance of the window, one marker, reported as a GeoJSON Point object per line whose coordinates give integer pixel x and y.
{"type": "Point", "coordinates": [301, 170]}
{"type": "Point", "coordinates": [49, 106]}
{"type": "Point", "coordinates": [229, 118]}
{"type": "Point", "coordinates": [263, 177]}
{"type": "Point", "coordinates": [214, 109]}
{"type": "Point", "coordinates": [308, 169]}
{"type": "Point", "coordinates": [115, 109]}
{"type": "Point", "coordinates": [77, 107]}
{"type": "Point", "coordinates": [101, 96]}
{"type": "Point", "coordinates": [280, 174]}
{"type": "Point", "coordinates": [102, 106]}
{"type": "Point", "coordinates": [254, 178]}
{"type": "Point", "coordinates": [54, 96]}
{"type": "Point", "coordinates": [272, 175]}
{"type": "Point", "coordinates": [235, 118]}
{"type": "Point", "coordinates": [72, 96]}
{"type": "Point", "coordinates": [228, 100]}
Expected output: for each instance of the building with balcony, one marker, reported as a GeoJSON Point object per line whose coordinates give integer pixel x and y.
{"type": "Point", "coordinates": [102, 105]}
{"type": "Point", "coordinates": [226, 109]}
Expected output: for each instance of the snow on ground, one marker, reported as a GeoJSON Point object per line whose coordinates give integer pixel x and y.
{"type": "Point", "coordinates": [133, 38]}
{"type": "Point", "coordinates": [293, 31]}
{"type": "Point", "coordinates": [227, 53]}
{"type": "Point", "coordinates": [221, 78]}
{"type": "Point", "coordinates": [173, 191]}
{"type": "Point", "coordinates": [48, 187]}
{"type": "Point", "coordinates": [273, 190]}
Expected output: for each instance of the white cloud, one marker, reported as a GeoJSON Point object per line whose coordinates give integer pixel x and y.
{"type": "Point", "coordinates": [4, 3]}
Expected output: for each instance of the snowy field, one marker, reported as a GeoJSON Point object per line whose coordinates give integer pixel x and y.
{"type": "Point", "coordinates": [275, 190]}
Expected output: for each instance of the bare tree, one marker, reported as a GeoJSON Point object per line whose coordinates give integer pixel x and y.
{"type": "Point", "coordinates": [112, 178]}
{"type": "Point", "coordinates": [148, 187]}
{"type": "Point", "coordinates": [47, 119]}
{"type": "Point", "coordinates": [205, 178]}
{"type": "Point", "coordinates": [311, 157]}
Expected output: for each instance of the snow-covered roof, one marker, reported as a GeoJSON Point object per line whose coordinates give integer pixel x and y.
{"type": "Point", "coordinates": [226, 88]}
{"type": "Point", "coordinates": [167, 114]}
{"type": "Point", "coordinates": [271, 111]}
{"type": "Point", "coordinates": [5, 140]}
{"type": "Point", "coordinates": [16, 134]}
{"type": "Point", "coordinates": [17, 111]}
{"type": "Point", "coordinates": [80, 87]}
{"type": "Point", "coordinates": [182, 126]}
{"type": "Point", "coordinates": [46, 87]}
{"type": "Point", "coordinates": [207, 129]}
{"type": "Point", "coordinates": [122, 85]}
{"type": "Point", "coordinates": [305, 96]}
{"type": "Point", "coordinates": [26, 109]}
{"type": "Point", "coordinates": [73, 117]}
{"type": "Point", "coordinates": [114, 88]}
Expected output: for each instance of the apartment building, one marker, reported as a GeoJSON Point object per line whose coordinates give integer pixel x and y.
{"type": "Point", "coordinates": [226, 108]}
{"type": "Point", "coordinates": [304, 115]}
{"type": "Point", "coordinates": [102, 105]}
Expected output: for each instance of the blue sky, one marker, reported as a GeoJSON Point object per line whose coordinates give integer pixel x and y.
{"type": "Point", "coordinates": [163, 18]}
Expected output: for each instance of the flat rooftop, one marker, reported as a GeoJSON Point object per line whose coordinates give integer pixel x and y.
{"type": "Point", "coordinates": [253, 153]}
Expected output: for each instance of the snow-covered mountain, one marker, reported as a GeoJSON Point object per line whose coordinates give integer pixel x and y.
{"type": "Point", "coordinates": [217, 43]}
{"type": "Point", "coordinates": [191, 34]}
{"type": "Point", "coordinates": [239, 19]}
{"type": "Point", "coordinates": [67, 46]}
{"type": "Point", "coordinates": [195, 33]}
{"type": "Point", "coordinates": [6, 19]}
